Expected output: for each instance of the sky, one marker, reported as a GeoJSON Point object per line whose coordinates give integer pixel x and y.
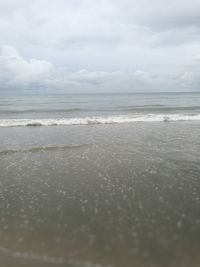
{"type": "Point", "coordinates": [103, 46]}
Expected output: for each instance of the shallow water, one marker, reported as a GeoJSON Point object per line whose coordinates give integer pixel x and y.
{"type": "Point", "coordinates": [100, 195]}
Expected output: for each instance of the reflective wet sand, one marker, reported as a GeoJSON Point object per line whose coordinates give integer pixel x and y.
{"type": "Point", "coordinates": [100, 195]}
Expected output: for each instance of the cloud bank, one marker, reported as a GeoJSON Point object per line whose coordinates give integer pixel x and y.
{"type": "Point", "coordinates": [100, 46]}
{"type": "Point", "coordinates": [16, 73]}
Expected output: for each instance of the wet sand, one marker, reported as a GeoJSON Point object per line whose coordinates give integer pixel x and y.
{"type": "Point", "coordinates": [100, 195]}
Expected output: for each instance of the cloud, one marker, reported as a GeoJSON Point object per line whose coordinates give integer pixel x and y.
{"type": "Point", "coordinates": [18, 73]}
{"type": "Point", "coordinates": [15, 71]}
{"type": "Point", "coordinates": [104, 35]}
{"type": "Point", "coordinates": [87, 24]}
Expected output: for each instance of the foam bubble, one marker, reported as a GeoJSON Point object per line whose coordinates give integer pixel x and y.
{"type": "Point", "coordinates": [98, 120]}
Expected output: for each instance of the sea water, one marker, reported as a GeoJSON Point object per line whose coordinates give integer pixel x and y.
{"type": "Point", "coordinates": [103, 180]}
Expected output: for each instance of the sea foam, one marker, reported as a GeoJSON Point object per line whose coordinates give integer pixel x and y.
{"type": "Point", "coordinates": [99, 120]}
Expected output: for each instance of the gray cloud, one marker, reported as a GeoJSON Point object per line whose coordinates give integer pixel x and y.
{"type": "Point", "coordinates": [82, 42]}
{"type": "Point", "coordinates": [21, 74]}
{"type": "Point", "coordinates": [105, 37]}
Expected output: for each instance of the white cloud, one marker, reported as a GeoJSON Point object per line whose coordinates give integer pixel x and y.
{"type": "Point", "coordinates": [102, 36]}
{"type": "Point", "coordinates": [15, 71]}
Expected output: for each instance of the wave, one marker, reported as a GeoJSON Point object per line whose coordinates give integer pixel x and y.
{"type": "Point", "coordinates": [43, 111]}
{"type": "Point", "coordinates": [99, 120]}
{"type": "Point", "coordinates": [149, 108]}
{"type": "Point", "coordinates": [29, 256]}
{"type": "Point", "coordinates": [41, 149]}
{"type": "Point", "coordinates": [160, 108]}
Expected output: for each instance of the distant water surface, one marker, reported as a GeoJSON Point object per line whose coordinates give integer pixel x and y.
{"type": "Point", "coordinates": [101, 105]}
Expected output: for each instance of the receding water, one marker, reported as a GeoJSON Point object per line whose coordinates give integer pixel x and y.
{"type": "Point", "coordinates": [120, 195]}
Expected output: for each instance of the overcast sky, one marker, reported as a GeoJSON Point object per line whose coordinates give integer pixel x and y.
{"type": "Point", "coordinates": [100, 46]}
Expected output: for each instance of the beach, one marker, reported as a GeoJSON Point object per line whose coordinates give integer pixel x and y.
{"type": "Point", "coordinates": [121, 189]}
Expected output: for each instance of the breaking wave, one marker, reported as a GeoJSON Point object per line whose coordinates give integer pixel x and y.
{"type": "Point", "coordinates": [99, 120]}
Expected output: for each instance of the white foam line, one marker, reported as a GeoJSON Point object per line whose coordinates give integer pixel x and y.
{"type": "Point", "coordinates": [99, 120]}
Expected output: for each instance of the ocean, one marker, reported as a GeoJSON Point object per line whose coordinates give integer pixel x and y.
{"type": "Point", "coordinates": [47, 110]}
{"type": "Point", "coordinates": [100, 180]}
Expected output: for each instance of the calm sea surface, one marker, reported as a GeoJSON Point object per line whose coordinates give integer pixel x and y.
{"type": "Point", "coordinates": [100, 180]}
{"type": "Point", "coordinates": [80, 106]}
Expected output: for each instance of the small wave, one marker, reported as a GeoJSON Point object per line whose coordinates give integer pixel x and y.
{"type": "Point", "coordinates": [146, 108]}
{"type": "Point", "coordinates": [41, 149]}
{"type": "Point", "coordinates": [46, 259]}
{"type": "Point", "coordinates": [159, 108]}
{"type": "Point", "coordinates": [43, 111]}
{"type": "Point", "coordinates": [31, 256]}
{"type": "Point", "coordinates": [98, 120]}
